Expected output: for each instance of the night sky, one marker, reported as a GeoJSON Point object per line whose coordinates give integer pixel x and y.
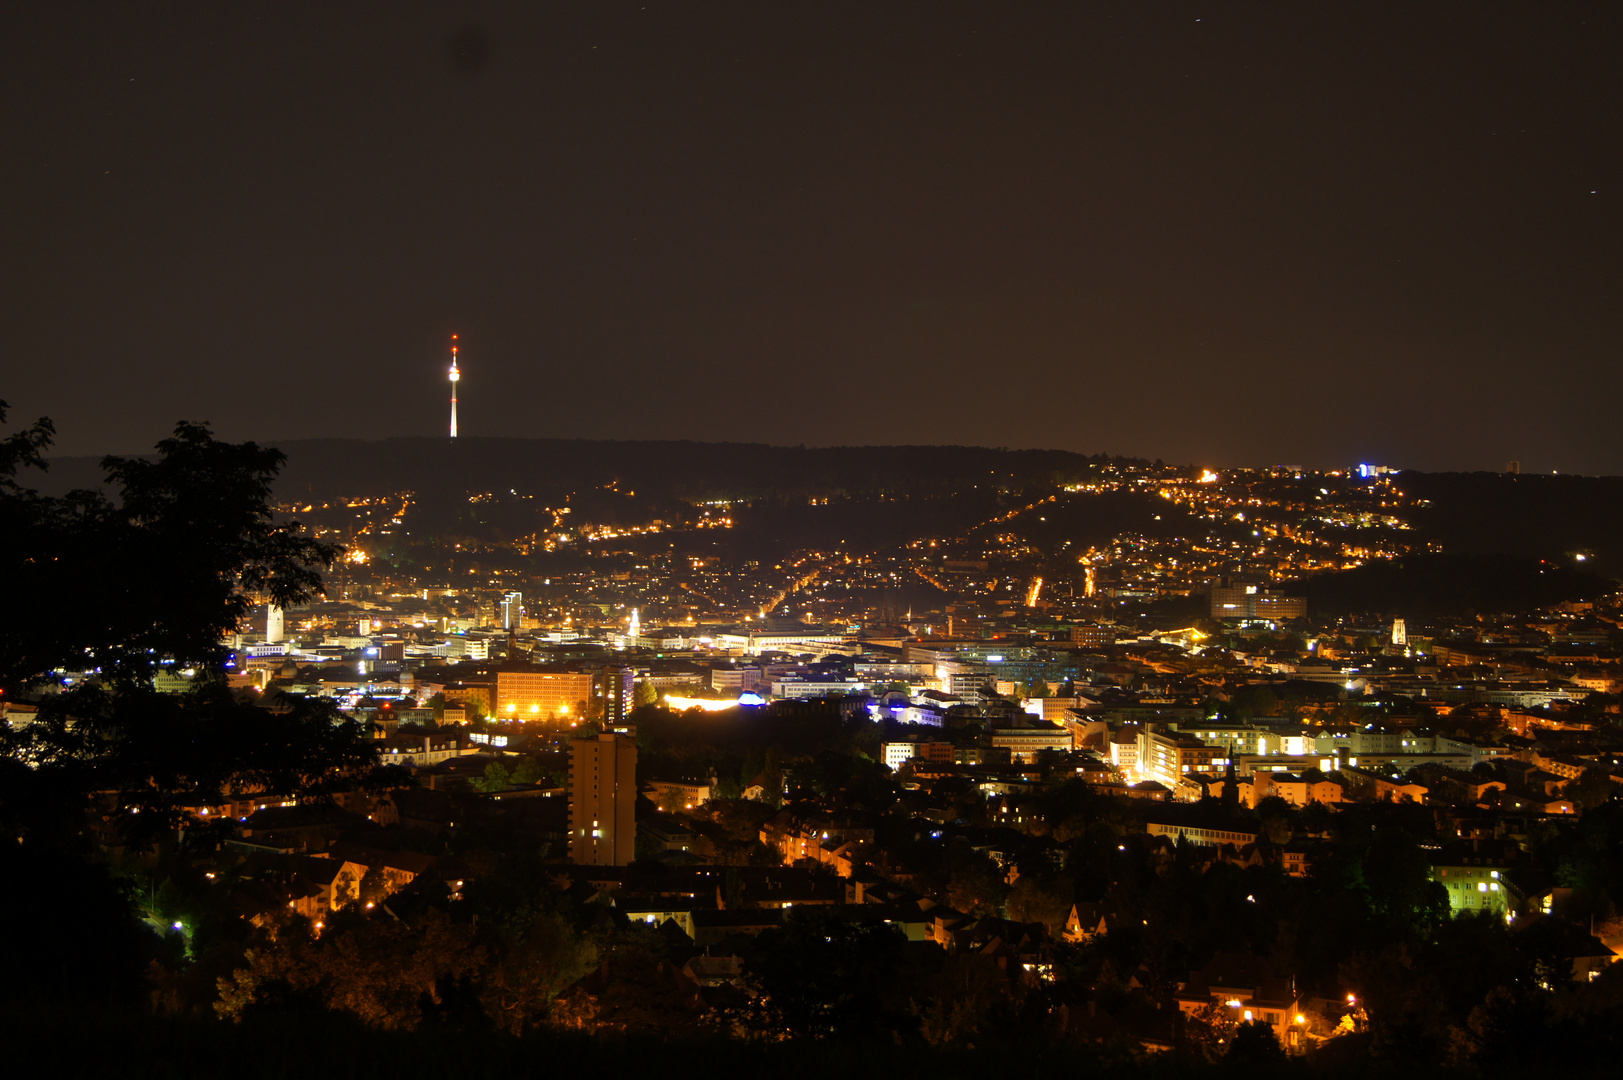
{"type": "Point", "coordinates": [1215, 233]}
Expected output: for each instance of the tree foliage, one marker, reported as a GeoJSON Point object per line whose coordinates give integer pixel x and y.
{"type": "Point", "coordinates": [819, 978]}
{"type": "Point", "coordinates": [112, 589]}
{"type": "Point", "coordinates": [168, 567]}
{"type": "Point", "coordinates": [383, 972]}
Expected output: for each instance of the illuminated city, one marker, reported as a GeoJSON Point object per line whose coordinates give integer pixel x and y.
{"type": "Point", "coordinates": [1030, 710]}
{"type": "Point", "coordinates": [854, 619]}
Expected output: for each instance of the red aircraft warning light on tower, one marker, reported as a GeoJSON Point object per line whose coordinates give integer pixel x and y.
{"type": "Point", "coordinates": [456, 377]}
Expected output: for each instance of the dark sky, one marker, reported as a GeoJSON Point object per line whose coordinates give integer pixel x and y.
{"type": "Point", "coordinates": [1219, 233]}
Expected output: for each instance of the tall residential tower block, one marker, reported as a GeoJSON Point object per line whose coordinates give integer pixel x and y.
{"type": "Point", "coordinates": [602, 800]}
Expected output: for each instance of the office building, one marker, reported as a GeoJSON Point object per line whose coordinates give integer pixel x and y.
{"type": "Point", "coordinates": [537, 695]}
{"type": "Point", "coordinates": [1240, 601]}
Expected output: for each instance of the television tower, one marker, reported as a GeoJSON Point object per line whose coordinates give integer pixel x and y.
{"type": "Point", "coordinates": [456, 376]}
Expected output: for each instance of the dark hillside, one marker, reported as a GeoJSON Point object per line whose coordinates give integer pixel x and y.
{"type": "Point", "coordinates": [555, 467]}
{"type": "Point", "coordinates": [1541, 517]}
{"type": "Point", "coordinates": [1450, 585]}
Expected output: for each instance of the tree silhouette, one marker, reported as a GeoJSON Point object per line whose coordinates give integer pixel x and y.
{"type": "Point", "coordinates": [169, 568]}
{"type": "Point", "coordinates": [106, 591]}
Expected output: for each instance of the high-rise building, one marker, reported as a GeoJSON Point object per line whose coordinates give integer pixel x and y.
{"type": "Point", "coordinates": [602, 800]}
{"type": "Point", "coordinates": [616, 689]}
{"type": "Point", "coordinates": [1400, 633]}
{"type": "Point", "coordinates": [273, 624]}
{"type": "Point", "coordinates": [512, 607]}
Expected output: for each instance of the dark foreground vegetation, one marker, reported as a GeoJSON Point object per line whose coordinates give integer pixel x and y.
{"type": "Point", "coordinates": [129, 1045]}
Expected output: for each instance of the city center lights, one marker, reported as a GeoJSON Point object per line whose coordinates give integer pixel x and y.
{"type": "Point", "coordinates": [683, 704]}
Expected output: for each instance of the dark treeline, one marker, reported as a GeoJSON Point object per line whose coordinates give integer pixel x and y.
{"type": "Point", "coordinates": [1450, 585]}
{"type": "Point", "coordinates": [326, 468]}
{"type": "Point", "coordinates": [1536, 516]}
{"type": "Point", "coordinates": [136, 1048]}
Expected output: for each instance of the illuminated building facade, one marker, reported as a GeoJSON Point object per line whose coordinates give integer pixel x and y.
{"type": "Point", "coordinates": [897, 754]}
{"type": "Point", "coordinates": [1168, 756]}
{"type": "Point", "coordinates": [532, 695]}
{"type": "Point", "coordinates": [1236, 738]}
{"type": "Point", "coordinates": [1473, 885]}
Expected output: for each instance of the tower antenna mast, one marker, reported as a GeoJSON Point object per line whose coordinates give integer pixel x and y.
{"type": "Point", "coordinates": [456, 377]}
